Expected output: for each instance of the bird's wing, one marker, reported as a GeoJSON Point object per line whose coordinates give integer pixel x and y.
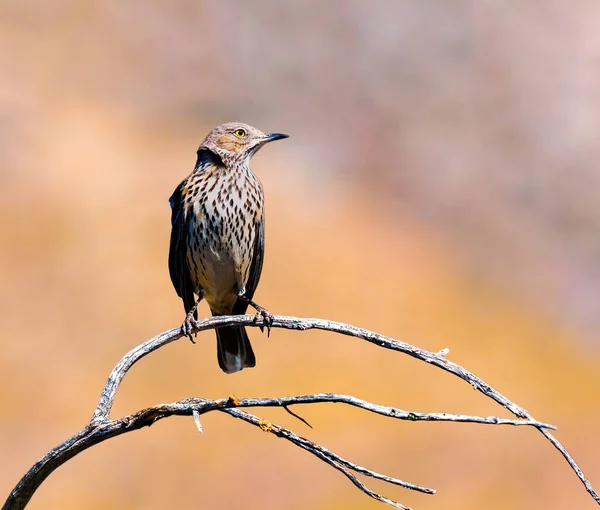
{"type": "Point", "coordinates": [178, 265]}
{"type": "Point", "coordinates": [255, 267]}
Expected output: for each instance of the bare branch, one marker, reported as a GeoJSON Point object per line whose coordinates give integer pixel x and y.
{"type": "Point", "coordinates": [391, 412]}
{"type": "Point", "coordinates": [101, 427]}
{"type": "Point", "coordinates": [107, 398]}
{"type": "Point", "coordinates": [329, 457]}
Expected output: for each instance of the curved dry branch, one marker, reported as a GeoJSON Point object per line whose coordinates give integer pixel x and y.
{"type": "Point", "coordinates": [101, 427]}
{"type": "Point", "coordinates": [100, 430]}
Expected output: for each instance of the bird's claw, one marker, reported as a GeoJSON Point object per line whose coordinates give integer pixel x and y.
{"type": "Point", "coordinates": [266, 318]}
{"type": "Point", "coordinates": [188, 326]}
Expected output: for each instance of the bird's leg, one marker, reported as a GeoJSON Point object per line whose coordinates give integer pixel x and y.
{"type": "Point", "coordinates": [189, 322]}
{"type": "Point", "coordinates": [262, 314]}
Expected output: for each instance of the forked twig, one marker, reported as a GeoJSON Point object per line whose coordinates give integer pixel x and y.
{"type": "Point", "coordinates": [101, 427]}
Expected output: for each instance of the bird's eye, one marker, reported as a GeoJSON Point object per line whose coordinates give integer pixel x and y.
{"type": "Point", "coordinates": [240, 133]}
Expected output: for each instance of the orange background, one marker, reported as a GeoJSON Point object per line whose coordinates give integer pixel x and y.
{"type": "Point", "coordinates": [439, 186]}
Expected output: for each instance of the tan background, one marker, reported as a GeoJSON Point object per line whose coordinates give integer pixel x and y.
{"type": "Point", "coordinates": [440, 185]}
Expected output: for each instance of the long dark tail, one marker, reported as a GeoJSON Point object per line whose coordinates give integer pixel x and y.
{"type": "Point", "coordinates": [234, 351]}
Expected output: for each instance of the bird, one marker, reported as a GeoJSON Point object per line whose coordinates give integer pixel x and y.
{"type": "Point", "coordinates": [217, 237]}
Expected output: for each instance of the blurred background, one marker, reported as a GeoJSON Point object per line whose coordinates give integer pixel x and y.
{"type": "Point", "coordinates": [440, 186]}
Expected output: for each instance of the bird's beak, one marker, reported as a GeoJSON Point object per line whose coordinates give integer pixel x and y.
{"type": "Point", "coordinates": [271, 137]}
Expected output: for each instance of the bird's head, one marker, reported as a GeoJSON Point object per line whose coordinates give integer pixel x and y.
{"type": "Point", "coordinates": [235, 141]}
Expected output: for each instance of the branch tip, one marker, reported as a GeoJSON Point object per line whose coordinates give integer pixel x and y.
{"type": "Point", "coordinates": [196, 416]}
{"type": "Point", "coordinates": [297, 416]}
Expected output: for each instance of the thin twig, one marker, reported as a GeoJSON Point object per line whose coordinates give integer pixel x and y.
{"type": "Point", "coordinates": [324, 453]}
{"type": "Point", "coordinates": [297, 416]}
{"type": "Point", "coordinates": [392, 412]}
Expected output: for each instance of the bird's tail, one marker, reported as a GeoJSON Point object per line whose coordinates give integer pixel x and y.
{"type": "Point", "coordinates": [234, 351]}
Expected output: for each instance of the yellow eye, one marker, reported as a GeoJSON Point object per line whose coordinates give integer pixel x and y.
{"type": "Point", "coordinates": [240, 132]}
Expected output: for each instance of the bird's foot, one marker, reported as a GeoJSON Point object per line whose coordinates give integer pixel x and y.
{"type": "Point", "coordinates": [188, 326]}
{"type": "Point", "coordinates": [266, 318]}
{"type": "Point", "coordinates": [262, 314]}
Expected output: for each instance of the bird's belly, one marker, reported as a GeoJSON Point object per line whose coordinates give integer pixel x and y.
{"type": "Point", "coordinates": [219, 264]}
{"type": "Point", "coordinates": [215, 275]}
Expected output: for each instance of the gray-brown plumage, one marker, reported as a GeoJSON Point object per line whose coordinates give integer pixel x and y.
{"type": "Point", "coordinates": [217, 236]}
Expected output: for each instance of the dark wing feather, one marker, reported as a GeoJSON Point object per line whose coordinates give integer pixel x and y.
{"type": "Point", "coordinates": [255, 268]}
{"type": "Point", "coordinates": [180, 231]}
{"type": "Point", "coordinates": [178, 265]}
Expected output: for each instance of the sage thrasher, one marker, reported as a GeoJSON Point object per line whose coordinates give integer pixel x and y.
{"type": "Point", "coordinates": [217, 236]}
